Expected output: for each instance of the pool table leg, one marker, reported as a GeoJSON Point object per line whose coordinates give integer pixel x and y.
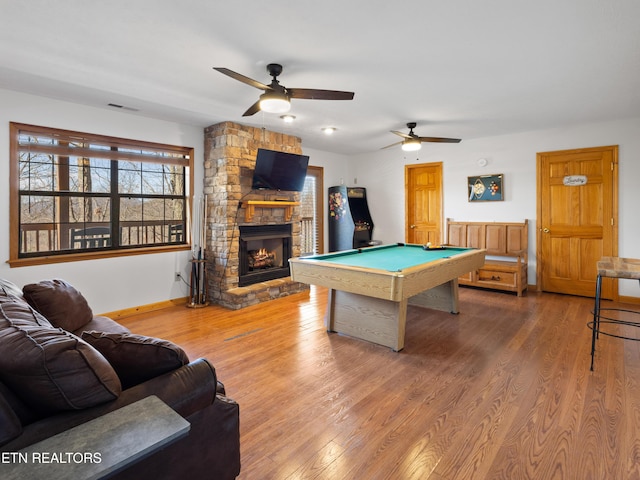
{"type": "Point", "coordinates": [443, 297]}
{"type": "Point", "coordinates": [368, 318]}
{"type": "Point", "coordinates": [329, 317]}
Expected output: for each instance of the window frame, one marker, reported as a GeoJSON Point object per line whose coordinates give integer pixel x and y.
{"type": "Point", "coordinates": [318, 225]}
{"type": "Point", "coordinates": [15, 258]}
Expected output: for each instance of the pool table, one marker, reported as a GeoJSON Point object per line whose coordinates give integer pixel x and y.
{"type": "Point", "coordinates": [370, 288]}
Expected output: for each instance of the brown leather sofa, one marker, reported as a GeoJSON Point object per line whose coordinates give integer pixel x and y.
{"type": "Point", "coordinates": [61, 366]}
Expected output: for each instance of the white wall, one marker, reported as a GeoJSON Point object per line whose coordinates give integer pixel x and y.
{"type": "Point", "coordinates": [382, 173]}
{"type": "Point", "coordinates": [337, 169]}
{"type": "Point", "coordinates": [126, 282]}
{"type": "Point", "coordinates": [108, 284]}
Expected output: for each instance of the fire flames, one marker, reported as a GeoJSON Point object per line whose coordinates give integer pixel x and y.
{"type": "Point", "coordinates": [261, 258]}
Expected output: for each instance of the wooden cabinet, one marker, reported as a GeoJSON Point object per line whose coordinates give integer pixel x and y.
{"type": "Point", "coordinates": [501, 276]}
{"type": "Point", "coordinates": [506, 261]}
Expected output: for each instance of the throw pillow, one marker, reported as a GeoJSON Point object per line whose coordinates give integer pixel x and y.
{"type": "Point", "coordinates": [60, 303]}
{"type": "Point", "coordinates": [136, 358]}
{"type": "Point", "coordinates": [50, 369]}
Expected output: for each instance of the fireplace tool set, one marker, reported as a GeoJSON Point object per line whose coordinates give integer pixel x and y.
{"type": "Point", "coordinates": [198, 284]}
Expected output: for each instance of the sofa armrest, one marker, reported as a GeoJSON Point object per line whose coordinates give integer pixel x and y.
{"type": "Point", "coordinates": [11, 426]}
{"type": "Point", "coordinates": [187, 390]}
{"type": "Point", "coordinates": [101, 324]}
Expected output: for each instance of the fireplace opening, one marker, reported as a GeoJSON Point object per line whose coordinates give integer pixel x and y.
{"type": "Point", "coordinates": [264, 253]}
{"type": "Point", "coordinates": [263, 258]}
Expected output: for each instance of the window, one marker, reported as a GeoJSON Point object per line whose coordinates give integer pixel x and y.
{"type": "Point", "coordinates": [312, 212]}
{"type": "Point", "coordinates": [77, 195]}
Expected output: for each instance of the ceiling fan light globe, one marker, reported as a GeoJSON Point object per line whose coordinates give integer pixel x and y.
{"type": "Point", "coordinates": [411, 145]}
{"type": "Point", "coordinates": [273, 102]}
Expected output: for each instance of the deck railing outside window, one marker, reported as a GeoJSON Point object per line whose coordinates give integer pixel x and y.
{"type": "Point", "coordinates": [75, 192]}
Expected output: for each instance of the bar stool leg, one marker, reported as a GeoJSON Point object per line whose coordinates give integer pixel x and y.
{"type": "Point", "coordinates": [596, 318]}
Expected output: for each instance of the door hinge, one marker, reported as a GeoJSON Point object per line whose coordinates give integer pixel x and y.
{"type": "Point", "coordinates": [612, 222]}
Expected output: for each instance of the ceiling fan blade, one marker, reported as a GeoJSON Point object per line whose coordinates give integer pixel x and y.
{"type": "Point", "coordinates": [403, 135]}
{"type": "Point", "coordinates": [439, 139]}
{"type": "Point", "coordinates": [392, 145]}
{"type": "Point", "coordinates": [252, 110]}
{"type": "Point", "coordinates": [242, 78]}
{"type": "Point", "coordinates": [314, 94]}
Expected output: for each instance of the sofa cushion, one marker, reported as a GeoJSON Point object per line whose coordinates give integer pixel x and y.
{"type": "Point", "coordinates": [136, 358]}
{"type": "Point", "coordinates": [59, 302]}
{"type": "Point", "coordinates": [48, 368]}
{"type": "Point", "coordinates": [25, 414]}
{"type": "Point", "coordinates": [19, 309]}
{"type": "Point", "coordinates": [101, 324]}
{"type": "Point", "coordinates": [7, 288]}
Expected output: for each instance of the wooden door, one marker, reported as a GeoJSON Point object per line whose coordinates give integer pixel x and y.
{"type": "Point", "coordinates": [577, 218]}
{"type": "Point", "coordinates": [423, 194]}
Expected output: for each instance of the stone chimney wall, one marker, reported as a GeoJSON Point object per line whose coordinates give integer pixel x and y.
{"type": "Point", "coordinates": [229, 160]}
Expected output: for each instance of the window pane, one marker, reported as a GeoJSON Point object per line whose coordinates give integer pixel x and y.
{"type": "Point", "coordinates": [89, 175]}
{"type": "Point", "coordinates": [174, 209]}
{"type": "Point", "coordinates": [37, 172]}
{"type": "Point", "coordinates": [152, 182]}
{"type": "Point", "coordinates": [88, 209]}
{"type": "Point", "coordinates": [174, 180]}
{"type": "Point", "coordinates": [153, 209]}
{"type": "Point", "coordinates": [36, 209]}
{"type": "Point", "coordinates": [130, 209]}
{"type": "Point", "coordinates": [308, 209]}
{"type": "Point", "coordinates": [67, 189]}
{"type": "Point", "coordinates": [129, 177]}
{"type": "Point", "coordinates": [37, 232]}
{"type": "Point", "coordinates": [94, 237]}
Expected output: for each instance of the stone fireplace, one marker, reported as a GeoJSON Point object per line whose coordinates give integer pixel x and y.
{"type": "Point", "coordinates": [242, 222]}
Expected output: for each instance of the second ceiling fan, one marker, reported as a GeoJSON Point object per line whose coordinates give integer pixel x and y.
{"type": "Point", "coordinates": [413, 142]}
{"type": "Point", "coordinates": [277, 98]}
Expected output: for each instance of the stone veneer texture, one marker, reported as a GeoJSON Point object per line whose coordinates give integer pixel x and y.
{"type": "Point", "coordinates": [229, 159]}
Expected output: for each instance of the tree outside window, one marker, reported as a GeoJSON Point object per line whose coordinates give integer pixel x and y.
{"type": "Point", "coordinates": [75, 194]}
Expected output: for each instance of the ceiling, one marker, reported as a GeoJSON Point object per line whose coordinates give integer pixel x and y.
{"type": "Point", "coordinates": [460, 68]}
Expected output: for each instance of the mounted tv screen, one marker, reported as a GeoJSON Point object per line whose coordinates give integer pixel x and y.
{"type": "Point", "coordinates": [279, 171]}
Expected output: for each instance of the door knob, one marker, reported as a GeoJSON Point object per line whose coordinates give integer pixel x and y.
{"type": "Point", "coordinates": [412, 226]}
{"type": "Point", "coordinates": [545, 230]}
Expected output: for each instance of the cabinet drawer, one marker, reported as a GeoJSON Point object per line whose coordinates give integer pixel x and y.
{"type": "Point", "coordinates": [467, 277]}
{"type": "Point", "coordinates": [497, 277]}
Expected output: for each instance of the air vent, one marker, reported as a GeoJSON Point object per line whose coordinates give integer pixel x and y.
{"type": "Point", "coordinates": [115, 105]}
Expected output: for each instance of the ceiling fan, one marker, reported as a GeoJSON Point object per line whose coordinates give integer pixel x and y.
{"type": "Point", "coordinates": [277, 98]}
{"type": "Point", "coordinates": [413, 142]}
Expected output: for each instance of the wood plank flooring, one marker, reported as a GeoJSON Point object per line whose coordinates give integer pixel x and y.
{"type": "Point", "coordinates": [501, 391]}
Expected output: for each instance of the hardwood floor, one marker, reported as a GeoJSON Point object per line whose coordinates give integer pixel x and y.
{"type": "Point", "coordinates": [501, 391]}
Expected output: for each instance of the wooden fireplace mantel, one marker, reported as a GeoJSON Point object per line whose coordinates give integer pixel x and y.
{"type": "Point", "coordinates": [250, 207]}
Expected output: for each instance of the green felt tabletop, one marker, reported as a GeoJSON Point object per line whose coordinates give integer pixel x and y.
{"type": "Point", "coordinates": [392, 258]}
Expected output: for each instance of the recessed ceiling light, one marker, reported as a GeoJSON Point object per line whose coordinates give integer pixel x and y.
{"type": "Point", "coordinates": [329, 130]}
{"type": "Point", "coordinates": [288, 118]}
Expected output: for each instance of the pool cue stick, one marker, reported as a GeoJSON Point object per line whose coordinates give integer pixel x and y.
{"type": "Point", "coordinates": [203, 291]}
{"type": "Point", "coordinates": [194, 256]}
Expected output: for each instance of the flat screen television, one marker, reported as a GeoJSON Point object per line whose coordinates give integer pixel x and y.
{"type": "Point", "coordinates": [279, 171]}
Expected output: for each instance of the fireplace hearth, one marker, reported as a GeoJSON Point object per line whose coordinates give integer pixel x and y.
{"type": "Point", "coordinates": [264, 252]}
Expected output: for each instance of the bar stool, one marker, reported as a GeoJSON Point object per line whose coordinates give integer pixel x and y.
{"type": "Point", "coordinates": [612, 267]}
